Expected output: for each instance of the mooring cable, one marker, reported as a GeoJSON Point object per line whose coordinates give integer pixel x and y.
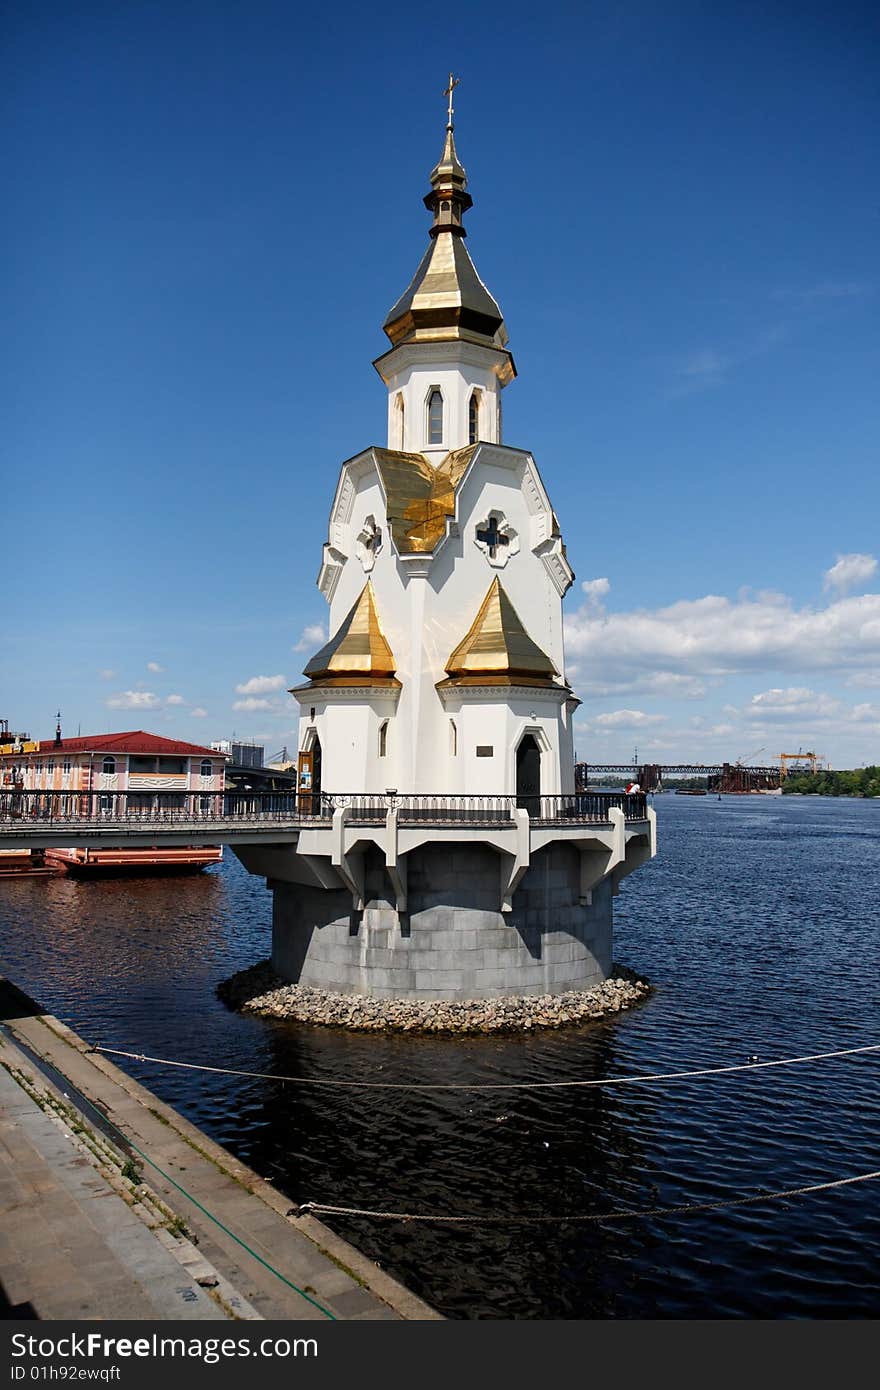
{"type": "Point", "coordinates": [474, 1219]}
{"type": "Point", "coordinates": [487, 1085]}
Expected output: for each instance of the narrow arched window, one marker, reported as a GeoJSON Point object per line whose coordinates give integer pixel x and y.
{"type": "Point", "coordinates": [435, 417]}
{"type": "Point", "coordinates": [383, 739]}
{"type": "Point", "coordinates": [108, 765]}
{"type": "Point", "coordinates": [453, 738]}
{"type": "Point", "coordinates": [207, 767]}
{"type": "Point", "coordinates": [474, 417]}
{"type": "Point", "coordinates": [399, 421]}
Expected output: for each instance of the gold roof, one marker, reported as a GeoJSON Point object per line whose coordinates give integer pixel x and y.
{"type": "Point", "coordinates": [358, 648]}
{"type": "Point", "coordinates": [446, 298]}
{"type": "Point", "coordinates": [498, 646]}
{"type": "Point", "coordinates": [419, 497]}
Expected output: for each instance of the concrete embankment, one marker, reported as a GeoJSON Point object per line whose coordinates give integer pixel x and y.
{"type": "Point", "coordinates": [258, 990]}
{"type": "Point", "coordinates": [114, 1206]}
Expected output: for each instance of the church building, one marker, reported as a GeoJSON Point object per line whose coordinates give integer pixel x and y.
{"type": "Point", "coordinates": [443, 850]}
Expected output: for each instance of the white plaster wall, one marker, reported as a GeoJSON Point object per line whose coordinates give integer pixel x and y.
{"type": "Point", "coordinates": [424, 616]}
{"type": "Point", "coordinates": [349, 734]}
{"type": "Point", "coordinates": [456, 381]}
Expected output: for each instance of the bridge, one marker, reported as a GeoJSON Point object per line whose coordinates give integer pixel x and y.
{"type": "Point", "coordinates": [58, 819]}
{"type": "Point", "coordinates": [729, 777]}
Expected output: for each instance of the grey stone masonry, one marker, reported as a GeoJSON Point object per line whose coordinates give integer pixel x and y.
{"type": "Point", "coordinates": [452, 943]}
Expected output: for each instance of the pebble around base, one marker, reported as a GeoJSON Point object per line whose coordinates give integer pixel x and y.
{"type": "Point", "coordinates": [258, 990]}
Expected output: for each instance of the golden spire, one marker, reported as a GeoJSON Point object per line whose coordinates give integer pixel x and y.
{"type": "Point", "coordinates": [447, 299]}
{"type": "Point", "coordinates": [498, 646]}
{"type": "Point", "coordinates": [358, 648]}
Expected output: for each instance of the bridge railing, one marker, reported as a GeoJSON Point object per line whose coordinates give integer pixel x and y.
{"type": "Point", "coordinates": [586, 806]}
{"type": "Point", "coordinates": [200, 810]}
{"type": "Point", "coordinates": [117, 808]}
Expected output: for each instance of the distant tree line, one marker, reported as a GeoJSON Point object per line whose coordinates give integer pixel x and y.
{"type": "Point", "coordinates": [862, 781]}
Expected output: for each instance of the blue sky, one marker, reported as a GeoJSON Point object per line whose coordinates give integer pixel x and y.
{"type": "Point", "coordinates": [212, 208]}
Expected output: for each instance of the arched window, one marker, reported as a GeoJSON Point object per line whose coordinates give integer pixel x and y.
{"type": "Point", "coordinates": [399, 421]}
{"type": "Point", "coordinates": [453, 738]}
{"type": "Point", "coordinates": [108, 766]}
{"type": "Point", "coordinates": [383, 739]}
{"type": "Point", "coordinates": [474, 417]}
{"type": "Point", "coordinates": [207, 767]}
{"type": "Point", "coordinates": [435, 416]}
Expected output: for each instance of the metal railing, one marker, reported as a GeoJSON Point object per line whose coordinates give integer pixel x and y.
{"type": "Point", "coordinates": [91, 810]}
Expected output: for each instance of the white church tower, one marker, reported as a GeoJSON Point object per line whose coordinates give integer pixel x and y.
{"type": "Point", "coordinates": [443, 851]}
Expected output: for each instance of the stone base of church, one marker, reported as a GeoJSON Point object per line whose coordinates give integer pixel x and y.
{"type": "Point", "coordinates": [452, 942]}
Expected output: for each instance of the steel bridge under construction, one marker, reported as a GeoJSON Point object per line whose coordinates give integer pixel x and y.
{"type": "Point", "coordinates": [721, 777]}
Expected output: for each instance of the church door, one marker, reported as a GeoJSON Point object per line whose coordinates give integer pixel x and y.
{"type": "Point", "coordinates": [528, 775]}
{"type": "Point", "coordinates": [316, 777]}
{"type": "Point", "coordinates": [309, 780]}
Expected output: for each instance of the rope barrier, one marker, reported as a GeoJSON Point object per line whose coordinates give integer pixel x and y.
{"type": "Point", "coordinates": [324, 1209]}
{"type": "Point", "coordinates": [491, 1085]}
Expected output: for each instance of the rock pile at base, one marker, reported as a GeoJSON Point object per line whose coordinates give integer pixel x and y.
{"type": "Point", "coordinates": [259, 990]}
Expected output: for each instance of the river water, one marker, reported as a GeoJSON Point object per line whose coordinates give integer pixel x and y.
{"type": "Point", "coordinates": [759, 924]}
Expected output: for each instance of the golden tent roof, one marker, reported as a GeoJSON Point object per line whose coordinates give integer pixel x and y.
{"type": "Point", "coordinates": [358, 651]}
{"type": "Point", "coordinates": [497, 648]}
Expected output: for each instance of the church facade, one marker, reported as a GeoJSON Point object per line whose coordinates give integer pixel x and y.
{"type": "Point", "coordinates": [444, 852]}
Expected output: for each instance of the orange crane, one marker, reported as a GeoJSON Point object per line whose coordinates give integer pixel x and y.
{"type": "Point", "coordinates": [806, 762]}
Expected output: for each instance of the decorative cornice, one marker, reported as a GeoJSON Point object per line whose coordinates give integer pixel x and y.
{"type": "Point", "coordinates": [336, 693]}
{"type": "Point", "coordinates": [456, 693]}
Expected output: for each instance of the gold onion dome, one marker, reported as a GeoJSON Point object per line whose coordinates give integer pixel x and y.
{"type": "Point", "coordinates": [446, 298]}
{"type": "Point", "coordinates": [497, 647]}
{"type": "Point", "coordinates": [358, 650]}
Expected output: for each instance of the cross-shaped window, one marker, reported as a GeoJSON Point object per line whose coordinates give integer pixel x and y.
{"type": "Point", "coordinates": [492, 537]}
{"type": "Point", "coordinates": [373, 539]}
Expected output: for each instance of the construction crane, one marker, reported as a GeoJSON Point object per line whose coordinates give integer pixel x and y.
{"type": "Point", "coordinates": [804, 762]}
{"type": "Point", "coordinates": [746, 757]}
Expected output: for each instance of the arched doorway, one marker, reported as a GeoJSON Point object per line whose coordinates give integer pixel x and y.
{"type": "Point", "coordinates": [316, 777]}
{"type": "Point", "coordinates": [309, 778]}
{"type": "Point", "coordinates": [528, 775]}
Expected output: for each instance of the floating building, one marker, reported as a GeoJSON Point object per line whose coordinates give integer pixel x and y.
{"type": "Point", "coordinates": [444, 851]}
{"type": "Point", "coordinates": [136, 778]}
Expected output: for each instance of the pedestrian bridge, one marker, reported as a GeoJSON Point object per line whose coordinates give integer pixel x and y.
{"type": "Point", "coordinates": [100, 820]}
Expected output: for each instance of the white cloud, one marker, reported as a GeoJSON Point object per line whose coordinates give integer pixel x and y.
{"type": "Point", "coordinates": [829, 289]}
{"type": "Point", "coordinates": [596, 588]}
{"type": "Point", "coordinates": [260, 685]}
{"type": "Point", "coordinates": [199, 712]}
{"type": "Point", "coordinates": [313, 638]}
{"type": "Point", "coordinates": [175, 700]}
{"type": "Point", "coordinates": [716, 636]}
{"type": "Point", "coordinates": [849, 571]}
{"type": "Point", "coordinates": [628, 719]}
{"type": "Point", "coordinates": [250, 703]}
{"type": "Point", "coordinates": [107, 674]}
{"type": "Point", "coordinates": [706, 366]}
{"type": "Point", "coordinates": [666, 683]}
{"type": "Point", "coordinates": [154, 667]}
{"type": "Point", "coordinates": [797, 703]}
{"type": "Point", "coordinates": [133, 699]}
{"type": "Point", "coordinates": [866, 713]}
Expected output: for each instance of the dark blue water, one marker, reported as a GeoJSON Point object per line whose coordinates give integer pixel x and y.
{"type": "Point", "coordinates": [759, 923]}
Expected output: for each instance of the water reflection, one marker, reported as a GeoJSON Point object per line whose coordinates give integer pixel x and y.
{"type": "Point", "coordinates": [759, 925]}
